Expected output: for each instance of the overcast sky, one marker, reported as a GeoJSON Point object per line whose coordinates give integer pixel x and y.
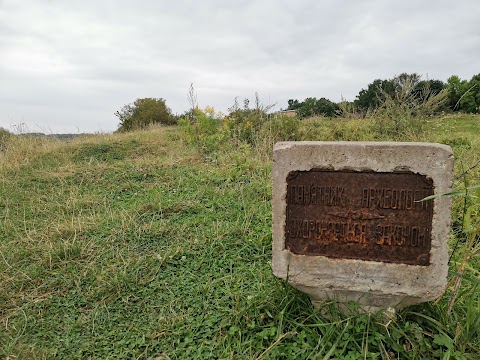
{"type": "Point", "coordinates": [67, 66]}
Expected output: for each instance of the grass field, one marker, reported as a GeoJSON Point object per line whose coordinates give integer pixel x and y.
{"type": "Point", "coordinates": [139, 246]}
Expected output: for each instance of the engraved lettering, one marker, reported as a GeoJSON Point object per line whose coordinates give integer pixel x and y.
{"type": "Point", "coordinates": [397, 199]}
{"type": "Point", "coordinates": [409, 204]}
{"type": "Point", "coordinates": [341, 196]}
{"type": "Point", "coordinates": [365, 202]}
{"type": "Point", "coordinates": [316, 195]}
{"type": "Point", "coordinates": [387, 199]}
{"type": "Point", "coordinates": [313, 194]}
{"type": "Point", "coordinates": [360, 215]}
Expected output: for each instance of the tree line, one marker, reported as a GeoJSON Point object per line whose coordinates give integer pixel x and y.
{"type": "Point", "coordinates": [456, 94]}
{"type": "Point", "coordinates": [461, 95]}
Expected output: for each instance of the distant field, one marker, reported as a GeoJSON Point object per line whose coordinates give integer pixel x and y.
{"type": "Point", "coordinates": [139, 246]}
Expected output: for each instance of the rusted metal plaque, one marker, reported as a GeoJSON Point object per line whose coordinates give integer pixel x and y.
{"type": "Point", "coordinates": [360, 215]}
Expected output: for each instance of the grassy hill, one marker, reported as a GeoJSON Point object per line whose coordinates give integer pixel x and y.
{"type": "Point", "coordinates": [144, 245]}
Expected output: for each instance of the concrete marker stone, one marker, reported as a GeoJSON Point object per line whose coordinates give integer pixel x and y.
{"type": "Point", "coordinates": [346, 241]}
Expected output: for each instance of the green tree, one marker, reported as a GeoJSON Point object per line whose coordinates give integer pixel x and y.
{"type": "Point", "coordinates": [405, 81]}
{"type": "Point", "coordinates": [307, 108]}
{"type": "Point", "coordinates": [464, 95]}
{"type": "Point", "coordinates": [326, 107]}
{"type": "Point", "coordinates": [455, 88]}
{"type": "Point", "coordinates": [293, 104]}
{"type": "Point", "coordinates": [144, 112]}
{"type": "Point", "coordinates": [313, 107]}
{"type": "Point", "coordinates": [470, 101]}
{"type": "Point", "coordinates": [370, 98]}
{"type": "Point", "coordinates": [398, 89]}
{"type": "Point", "coordinates": [436, 86]}
{"type": "Point", "coordinates": [425, 88]}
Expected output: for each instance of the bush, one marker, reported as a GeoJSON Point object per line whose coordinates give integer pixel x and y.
{"type": "Point", "coordinates": [144, 112]}
{"type": "Point", "coordinates": [254, 128]}
{"type": "Point", "coordinates": [245, 124]}
{"type": "Point", "coordinates": [203, 131]}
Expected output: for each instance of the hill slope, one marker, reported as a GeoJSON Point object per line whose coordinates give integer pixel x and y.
{"type": "Point", "coordinates": [135, 246]}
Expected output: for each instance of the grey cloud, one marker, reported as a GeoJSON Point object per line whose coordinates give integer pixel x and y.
{"type": "Point", "coordinates": [75, 63]}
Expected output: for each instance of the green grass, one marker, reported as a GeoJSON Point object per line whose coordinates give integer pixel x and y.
{"type": "Point", "coordinates": [135, 246]}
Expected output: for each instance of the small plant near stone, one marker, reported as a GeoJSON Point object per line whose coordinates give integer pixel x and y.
{"type": "Point", "coordinates": [467, 242]}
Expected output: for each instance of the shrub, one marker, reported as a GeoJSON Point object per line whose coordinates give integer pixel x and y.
{"type": "Point", "coordinates": [203, 131]}
{"type": "Point", "coordinates": [245, 124]}
{"type": "Point", "coordinates": [210, 131]}
{"type": "Point", "coordinates": [144, 112]}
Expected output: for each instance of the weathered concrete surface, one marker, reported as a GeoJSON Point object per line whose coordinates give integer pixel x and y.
{"type": "Point", "coordinates": [372, 284]}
